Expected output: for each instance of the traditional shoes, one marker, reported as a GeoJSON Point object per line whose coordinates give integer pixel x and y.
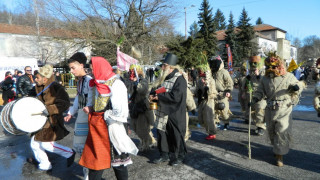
{"type": "Point", "coordinates": [70, 159]}
{"type": "Point", "coordinates": [211, 137]}
{"type": "Point", "coordinates": [160, 160]}
{"type": "Point", "coordinates": [279, 159]}
{"type": "Point", "coordinates": [259, 131]}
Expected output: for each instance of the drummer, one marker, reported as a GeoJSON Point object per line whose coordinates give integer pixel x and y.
{"type": "Point", "coordinates": [56, 100]}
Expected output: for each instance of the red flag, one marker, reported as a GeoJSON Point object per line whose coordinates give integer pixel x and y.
{"type": "Point", "coordinates": [124, 61]}
{"type": "Point", "coordinates": [229, 57]}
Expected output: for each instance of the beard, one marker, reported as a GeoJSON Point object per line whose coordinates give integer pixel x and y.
{"type": "Point", "coordinates": [164, 73]}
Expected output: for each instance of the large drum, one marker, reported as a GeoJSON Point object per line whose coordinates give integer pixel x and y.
{"type": "Point", "coordinates": [23, 116]}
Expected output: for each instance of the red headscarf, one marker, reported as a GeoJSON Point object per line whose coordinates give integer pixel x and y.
{"type": "Point", "coordinates": [102, 71]}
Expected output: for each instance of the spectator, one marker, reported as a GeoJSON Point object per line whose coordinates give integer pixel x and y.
{"type": "Point", "coordinates": [71, 80]}
{"type": "Point", "coordinates": [7, 88]}
{"type": "Point", "coordinates": [194, 75]}
{"type": "Point", "coordinates": [26, 83]}
{"type": "Point", "coordinates": [15, 75]}
{"type": "Point", "coordinates": [58, 77]}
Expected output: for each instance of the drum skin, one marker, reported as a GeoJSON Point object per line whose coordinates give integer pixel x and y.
{"type": "Point", "coordinates": [23, 115]}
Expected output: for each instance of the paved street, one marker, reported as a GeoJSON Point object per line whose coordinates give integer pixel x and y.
{"type": "Point", "coordinates": [224, 158]}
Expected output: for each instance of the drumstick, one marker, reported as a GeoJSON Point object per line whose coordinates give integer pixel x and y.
{"type": "Point", "coordinates": [39, 113]}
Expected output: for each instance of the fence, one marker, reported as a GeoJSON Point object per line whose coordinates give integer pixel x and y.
{"type": "Point", "coordinates": [69, 81]}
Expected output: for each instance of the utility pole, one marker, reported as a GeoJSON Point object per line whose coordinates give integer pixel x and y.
{"type": "Point", "coordinates": [185, 20]}
{"type": "Point", "coordinates": [185, 23]}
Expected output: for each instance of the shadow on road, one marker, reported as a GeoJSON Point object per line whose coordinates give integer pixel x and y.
{"type": "Point", "coordinates": [217, 167]}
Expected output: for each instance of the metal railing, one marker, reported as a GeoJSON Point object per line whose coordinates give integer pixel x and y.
{"type": "Point", "coordinates": [68, 80]}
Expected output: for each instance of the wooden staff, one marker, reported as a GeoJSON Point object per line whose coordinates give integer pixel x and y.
{"type": "Point", "coordinates": [249, 127]}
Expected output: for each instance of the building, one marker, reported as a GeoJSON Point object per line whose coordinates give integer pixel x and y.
{"type": "Point", "coordinates": [46, 45]}
{"type": "Point", "coordinates": [268, 38]}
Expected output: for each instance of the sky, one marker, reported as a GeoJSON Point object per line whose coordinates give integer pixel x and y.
{"type": "Point", "coordinates": [300, 18]}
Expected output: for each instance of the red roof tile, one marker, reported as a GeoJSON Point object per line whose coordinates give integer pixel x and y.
{"type": "Point", "coordinates": [266, 27]}
{"type": "Point", "coordinates": [221, 35]}
{"type": "Point", "coordinates": [28, 30]}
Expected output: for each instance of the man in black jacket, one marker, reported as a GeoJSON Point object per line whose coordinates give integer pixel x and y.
{"type": "Point", "coordinates": [171, 113]}
{"type": "Point", "coordinates": [26, 83]}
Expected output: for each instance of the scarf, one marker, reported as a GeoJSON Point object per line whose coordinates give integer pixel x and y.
{"type": "Point", "coordinates": [102, 72]}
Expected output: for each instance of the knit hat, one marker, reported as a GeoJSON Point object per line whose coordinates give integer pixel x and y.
{"type": "Point", "coordinates": [46, 71]}
{"type": "Point", "coordinates": [80, 57]}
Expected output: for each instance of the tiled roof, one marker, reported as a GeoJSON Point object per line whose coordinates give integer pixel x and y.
{"type": "Point", "coordinates": [221, 35]}
{"type": "Point", "coordinates": [266, 27]}
{"type": "Point", "coordinates": [28, 30]}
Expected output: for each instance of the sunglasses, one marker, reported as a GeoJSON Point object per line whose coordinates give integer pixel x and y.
{"type": "Point", "coordinates": [28, 70]}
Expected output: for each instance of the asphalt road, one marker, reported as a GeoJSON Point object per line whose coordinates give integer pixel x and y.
{"type": "Point", "coordinates": [223, 158]}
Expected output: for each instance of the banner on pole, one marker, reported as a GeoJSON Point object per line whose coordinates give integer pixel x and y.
{"type": "Point", "coordinates": [229, 57]}
{"type": "Point", "coordinates": [124, 61]}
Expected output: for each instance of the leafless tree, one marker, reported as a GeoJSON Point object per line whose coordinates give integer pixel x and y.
{"type": "Point", "coordinates": [144, 24]}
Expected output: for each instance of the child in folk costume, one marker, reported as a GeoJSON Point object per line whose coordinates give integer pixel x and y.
{"type": "Point", "coordinates": [107, 143]}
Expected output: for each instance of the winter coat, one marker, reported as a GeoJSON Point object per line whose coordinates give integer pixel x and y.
{"type": "Point", "coordinates": [223, 80]}
{"type": "Point", "coordinates": [280, 102]}
{"type": "Point", "coordinates": [25, 86]}
{"type": "Point", "coordinates": [140, 102]}
{"type": "Point", "coordinates": [56, 100]}
{"type": "Point", "coordinates": [7, 93]}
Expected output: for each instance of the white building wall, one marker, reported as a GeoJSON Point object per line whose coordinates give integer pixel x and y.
{"type": "Point", "coordinates": [45, 49]}
{"type": "Point", "coordinates": [293, 53]}
{"type": "Point", "coordinates": [280, 34]}
{"type": "Point", "coordinates": [265, 46]}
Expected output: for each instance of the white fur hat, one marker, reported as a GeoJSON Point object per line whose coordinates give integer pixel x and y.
{"type": "Point", "coordinates": [46, 71]}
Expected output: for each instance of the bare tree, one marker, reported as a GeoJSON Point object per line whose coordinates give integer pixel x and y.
{"type": "Point", "coordinates": [310, 48]}
{"type": "Point", "coordinates": [143, 24]}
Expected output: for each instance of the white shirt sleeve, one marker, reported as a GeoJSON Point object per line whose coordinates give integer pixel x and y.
{"type": "Point", "coordinates": [119, 100]}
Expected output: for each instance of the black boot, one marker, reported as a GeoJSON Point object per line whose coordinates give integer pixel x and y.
{"type": "Point", "coordinates": [163, 158]}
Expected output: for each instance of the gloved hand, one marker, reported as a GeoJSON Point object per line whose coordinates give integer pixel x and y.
{"type": "Point", "coordinates": [193, 111]}
{"type": "Point", "coordinates": [293, 88]}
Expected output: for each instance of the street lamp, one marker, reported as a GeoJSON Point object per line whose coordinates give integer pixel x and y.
{"type": "Point", "coordinates": [185, 18]}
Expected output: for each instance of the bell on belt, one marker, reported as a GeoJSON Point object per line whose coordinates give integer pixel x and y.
{"type": "Point", "coordinates": [153, 105]}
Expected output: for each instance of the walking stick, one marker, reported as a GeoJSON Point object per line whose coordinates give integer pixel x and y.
{"type": "Point", "coordinates": [249, 127]}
